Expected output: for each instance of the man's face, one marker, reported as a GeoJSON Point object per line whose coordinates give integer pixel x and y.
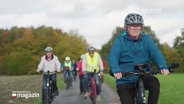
{"type": "Point", "coordinates": [134, 30]}
{"type": "Point", "coordinates": [91, 53]}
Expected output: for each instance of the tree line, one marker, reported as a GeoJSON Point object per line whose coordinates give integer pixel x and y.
{"type": "Point", "coordinates": [22, 47]}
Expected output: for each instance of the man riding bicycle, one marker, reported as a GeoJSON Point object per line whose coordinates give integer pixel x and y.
{"type": "Point", "coordinates": [49, 62]}
{"type": "Point", "coordinates": [130, 48]}
{"type": "Point", "coordinates": [67, 67]}
{"type": "Point", "coordinates": [92, 61]}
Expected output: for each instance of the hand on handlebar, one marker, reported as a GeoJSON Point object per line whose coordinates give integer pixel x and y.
{"type": "Point", "coordinates": [165, 72]}
{"type": "Point", "coordinates": [118, 75]}
{"type": "Point", "coordinates": [101, 74]}
{"type": "Point", "coordinates": [39, 71]}
{"type": "Point", "coordinates": [58, 71]}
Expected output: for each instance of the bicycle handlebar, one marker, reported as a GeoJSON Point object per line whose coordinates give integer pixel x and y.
{"type": "Point", "coordinates": [140, 73]}
{"type": "Point", "coordinates": [48, 72]}
{"type": "Point", "coordinates": [91, 73]}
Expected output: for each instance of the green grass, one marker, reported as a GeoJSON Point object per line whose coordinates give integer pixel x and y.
{"type": "Point", "coordinates": [171, 89]}
{"type": "Point", "coordinates": [31, 83]}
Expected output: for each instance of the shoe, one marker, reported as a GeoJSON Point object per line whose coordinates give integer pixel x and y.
{"type": "Point", "coordinates": [98, 98]}
{"type": "Point", "coordinates": [86, 94]}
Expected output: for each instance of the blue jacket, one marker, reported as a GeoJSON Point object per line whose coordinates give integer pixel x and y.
{"type": "Point", "coordinates": [125, 53]}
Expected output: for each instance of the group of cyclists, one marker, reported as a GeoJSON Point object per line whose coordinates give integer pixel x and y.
{"type": "Point", "coordinates": [88, 62]}
{"type": "Point", "coordinates": [130, 48]}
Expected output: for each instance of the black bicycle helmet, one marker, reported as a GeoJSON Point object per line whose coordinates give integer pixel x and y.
{"type": "Point", "coordinates": [133, 18]}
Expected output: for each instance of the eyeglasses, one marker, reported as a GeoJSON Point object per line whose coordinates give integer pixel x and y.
{"type": "Point", "coordinates": [135, 26]}
{"type": "Point", "coordinates": [91, 52]}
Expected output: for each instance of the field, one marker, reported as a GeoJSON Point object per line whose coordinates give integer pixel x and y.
{"type": "Point", "coordinates": [171, 90]}
{"type": "Point", "coordinates": [31, 83]}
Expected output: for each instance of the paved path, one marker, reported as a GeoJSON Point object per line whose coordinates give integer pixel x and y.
{"type": "Point", "coordinates": [72, 96]}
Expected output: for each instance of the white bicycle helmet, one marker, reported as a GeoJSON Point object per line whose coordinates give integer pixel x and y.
{"type": "Point", "coordinates": [48, 49]}
{"type": "Point", "coordinates": [82, 56]}
{"type": "Point", "coordinates": [67, 58]}
{"type": "Point", "coordinates": [91, 48]}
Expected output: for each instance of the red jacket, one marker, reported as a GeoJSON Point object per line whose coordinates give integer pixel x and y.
{"type": "Point", "coordinates": [104, 64]}
{"type": "Point", "coordinates": [79, 67]}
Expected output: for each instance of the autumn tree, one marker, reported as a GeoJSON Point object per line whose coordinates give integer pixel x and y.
{"type": "Point", "coordinates": [23, 47]}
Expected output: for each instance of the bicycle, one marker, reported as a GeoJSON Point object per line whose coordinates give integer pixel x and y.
{"type": "Point", "coordinates": [92, 87]}
{"type": "Point", "coordinates": [140, 97]}
{"type": "Point", "coordinates": [49, 89]}
{"type": "Point", "coordinates": [68, 79]}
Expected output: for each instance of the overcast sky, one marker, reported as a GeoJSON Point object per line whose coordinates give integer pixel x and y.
{"type": "Point", "coordinates": [94, 19]}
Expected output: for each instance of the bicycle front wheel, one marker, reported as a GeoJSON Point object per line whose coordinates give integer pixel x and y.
{"type": "Point", "coordinates": [47, 97]}
{"type": "Point", "coordinates": [67, 83]}
{"type": "Point", "coordinates": [93, 99]}
{"type": "Point", "coordinates": [141, 97]}
{"type": "Point", "coordinates": [93, 93]}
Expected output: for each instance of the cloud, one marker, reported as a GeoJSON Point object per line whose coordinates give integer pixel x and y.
{"type": "Point", "coordinates": [94, 19]}
{"type": "Point", "coordinates": [166, 29]}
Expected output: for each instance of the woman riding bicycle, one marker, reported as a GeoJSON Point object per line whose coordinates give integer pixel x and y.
{"type": "Point", "coordinates": [49, 62]}
{"type": "Point", "coordinates": [130, 48]}
{"type": "Point", "coordinates": [90, 62]}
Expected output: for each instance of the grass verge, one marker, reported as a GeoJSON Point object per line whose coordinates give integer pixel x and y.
{"type": "Point", "coordinates": [31, 83]}
{"type": "Point", "coordinates": [171, 87]}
